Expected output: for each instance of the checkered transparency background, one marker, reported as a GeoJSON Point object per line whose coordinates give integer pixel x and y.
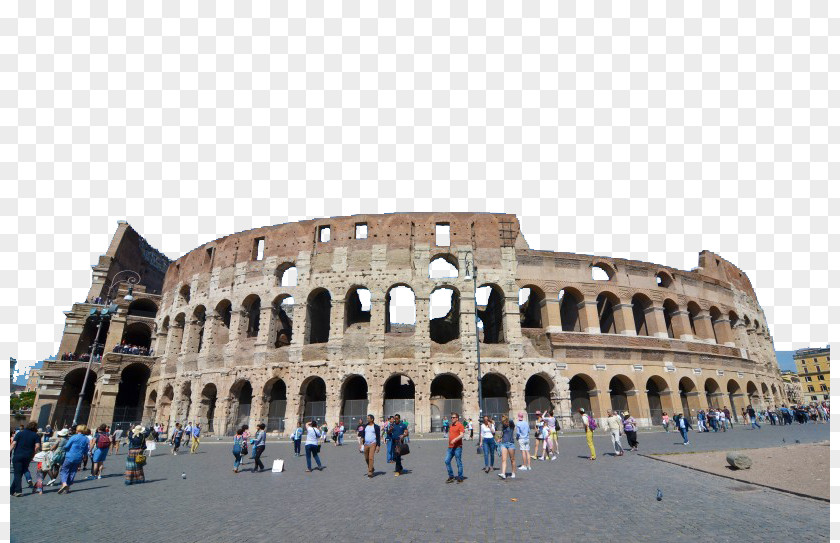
{"type": "Point", "coordinates": [647, 131]}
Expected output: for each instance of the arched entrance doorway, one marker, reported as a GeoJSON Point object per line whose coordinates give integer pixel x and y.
{"type": "Point", "coordinates": [623, 396]}
{"type": "Point", "coordinates": [207, 409]}
{"type": "Point", "coordinates": [735, 395]}
{"type": "Point", "coordinates": [659, 399]}
{"type": "Point", "coordinates": [752, 395]}
{"type": "Point", "coordinates": [445, 396]}
{"type": "Point", "coordinates": [399, 398]}
{"type": "Point", "coordinates": [65, 408]}
{"type": "Point", "coordinates": [496, 392]}
{"type": "Point", "coordinates": [713, 394]}
{"type": "Point", "coordinates": [276, 393]}
{"type": "Point", "coordinates": [128, 407]}
{"type": "Point", "coordinates": [688, 398]}
{"type": "Point", "coordinates": [583, 394]}
{"type": "Point", "coordinates": [354, 402]}
{"type": "Point", "coordinates": [137, 333]}
{"type": "Point", "coordinates": [241, 395]}
{"type": "Point", "coordinates": [537, 396]}
{"type": "Point", "coordinates": [314, 391]}
{"type": "Point", "coordinates": [184, 404]}
{"type": "Point", "coordinates": [150, 410]}
{"type": "Point", "coordinates": [165, 408]}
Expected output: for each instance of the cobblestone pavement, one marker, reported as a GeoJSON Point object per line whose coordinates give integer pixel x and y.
{"type": "Point", "coordinates": [568, 499]}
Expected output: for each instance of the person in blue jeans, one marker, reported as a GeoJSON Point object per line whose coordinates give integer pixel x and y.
{"type": "Point", "coordinates": [399, 432]}
{"type": "Point", "coordinates": [488, 443]}
{"type": "Point", "coordinates": [297, 437]}
{"type": "Point", "coordinates": [455, 449]}
{"type": "Point", "coordinates": [75, 449]}
{"type": "Point", "coordinates": [389, 443]}
{"type": "Point", "coordinates": [313, 436]}
{"type": "Point", "coordinates": [751, 415]}
{"type": "Point", "coordinates": [683, 426]}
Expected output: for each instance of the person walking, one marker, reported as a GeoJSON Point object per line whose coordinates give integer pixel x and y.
{"type": "Point", "coordinates": [630, 432]}
{"type": "Point", "coordinates": [665, 421]}
{"type": "Point", "coordinates": [177, 435]}
{"type": "Point", "coordinates": [683, 425]}
{"type": "Point", "coordinates": [550, 435]}
{"type": "Point", "coordinates": [399, 432]}
{"type": "Point", "coordinates": [455, 449]}
{"type": "Point", "coordinates": [134, 471]}
{"type": "Point", "coordinates": [701, 421]}
{"type": "Point", "coordinates": [99, 450]}
{"type": "Point", "coordinates": [259, 447]}
{"type": "Point", "coordinates": [751, 414]}
{"type": "Point", "coordinates": [523, 435]}
{"type": "Point", "coordinates": [75, 450]}
{"type": "Point", "coordinates": [470, 429]}
{"type": "Point", "coordinates": [116, 437]}
{"type": "Point", "coordinates": [25, 445]}
{"type": "Point", "coordinates": [389, 445]}
{"type": "Point", "coordinates": [196, 433]}
{"type": "Point", "coordinates": [246, 435]}
{"type": "Point", "coordinates": [296, 437]}
{"type": "Point", "coordinates": [237, 449]}
{"type": "Point", "coordinates": [589, 426]}
{"type": "Point", "coordinates": [313, 445]}
{"type": "Point", "coordinates": [538, 435]}
{"type": "Point", "coordinates": [187, 434]}
{"type": "Point", "coordinates": [370, 442]}
{"type": "Point", "coordinates": [613, 427]}
{"type": "Point", "coordinates": [487, 433]}
{"type": "Point", "coordinates": [446, 426]}
{"type": "Point", "coordinates": [506, 443]}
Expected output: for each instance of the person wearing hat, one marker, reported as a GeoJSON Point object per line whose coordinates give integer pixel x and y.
{"type": "Point", "coordinates": [134, 473]}
{"type": "Point", "coordinates": [585, 419]}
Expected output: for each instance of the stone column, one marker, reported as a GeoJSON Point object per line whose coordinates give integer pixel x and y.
{"type": "Point", "coordinates": [268, 324]}
{"type": "Point", "coordinates": [422, 341]}
{"type": "Point", "coordinates": [552, 311]}
{"type": "Point", "coordinates": [703, 327]}
{"type": "Point", "coordinates": [159, 344]}
{"type": "Point", "coordinates": [623, 316]}
{"type": "Point", "coordinates": [336, 331]}
{"type": "Point", "coordinates": [655, 320]}
{"type": "Point", "coordinates": [681, 325]}
{"type": "Point", "coordinates": [102, 407]}
{"type": "Point", "coordinates": [376, 329]}
{"type": "Point", "coordinates": [115, 331]}
{"type": "Point", "coordinates": [723, 331]}
{"type": "Point", "coordinates": [293, 405]}
{"type": "Point", "coordinates": [588, 314]}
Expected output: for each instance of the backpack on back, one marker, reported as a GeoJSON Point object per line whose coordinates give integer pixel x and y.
{"type": "Point", "coordinates": [103, 441]}
{"type": "Point", "coordinates": [593, 424]}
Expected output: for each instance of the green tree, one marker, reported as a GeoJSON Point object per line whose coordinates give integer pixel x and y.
{"type": "Point", "coordinates": [24, 400]}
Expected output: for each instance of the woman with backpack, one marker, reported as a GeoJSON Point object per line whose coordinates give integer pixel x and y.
{"type": "Point", "coordinates": [101, 444]}
{"type": "Point", "coordinates": [134, 473]}
{"type": "Point", "coordinates": [589, 426]}
{"type": "Point", "coordinates": [177, 435]}
{"type": "Point", "coordinates": [238, 443]}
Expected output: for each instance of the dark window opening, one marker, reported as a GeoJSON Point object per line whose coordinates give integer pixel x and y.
{"type": "Point", "coordinates": [357, 307]}
{"type": "Point", "coordinates": [490, 308]}
{"type": "Point", "coordinates": [444, 325]}
{"type": "Point", "coordinates": [318, 317]}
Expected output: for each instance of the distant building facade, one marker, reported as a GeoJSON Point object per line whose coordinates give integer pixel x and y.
{"type": "Point", "coordinates": [814, 369]}
{"type": "Point", "coordinates": [792, 387]}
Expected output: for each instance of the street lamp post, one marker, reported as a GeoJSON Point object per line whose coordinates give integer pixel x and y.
{"type": "Point", "coordinates": [132, 279]}
{"type": "Point", "coordinates": [469, 265]}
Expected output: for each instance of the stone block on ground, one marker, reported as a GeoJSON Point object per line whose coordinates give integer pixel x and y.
{"type": "Point", "coordinates": [738, 460]}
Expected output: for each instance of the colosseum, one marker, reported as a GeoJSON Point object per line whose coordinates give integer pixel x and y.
{"type": "Point", "coordinates": [336, 318]}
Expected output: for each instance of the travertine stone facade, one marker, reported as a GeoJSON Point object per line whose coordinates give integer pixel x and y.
{"type": "Point", "coordinates": [650, 338]}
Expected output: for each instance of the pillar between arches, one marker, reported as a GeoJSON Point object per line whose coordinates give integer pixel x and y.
{"type": "Point", "coordinates": [723, 331]}
{"type": "Point", "coordinates": [623, 317]}
{"type": "Point", "coordinates": [703, 326]}
{"type": "Point", "coordinates": [588, 315]}
{"type": "Point", "coordinates": [655, 320]}
{"type": "Point", "coordinates": [681, 325]}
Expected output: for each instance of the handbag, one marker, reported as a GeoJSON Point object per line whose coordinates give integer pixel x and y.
{"type": "Point", "coordinates": [404, 450]}
{"type": "Point", "coordinates": [140, 459]}
{"type": "Point", "coordinates": [318, 448]}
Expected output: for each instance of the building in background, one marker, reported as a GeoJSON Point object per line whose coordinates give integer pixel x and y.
{"type": "Point", "coordinates": [814, 369]}
{"type": "Point", "coordinates": [792, 387]}
{"type": "Point", "coordinates": [32, 380]}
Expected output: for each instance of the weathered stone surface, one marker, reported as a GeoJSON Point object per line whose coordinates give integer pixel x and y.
{"type": "Point", "coordinates": [738, 460]}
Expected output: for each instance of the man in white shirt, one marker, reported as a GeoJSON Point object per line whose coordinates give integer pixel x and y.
{"type": "Point", "coordinates": [614, 429]}
{"type": "Point", "coordinates": [371, 443]}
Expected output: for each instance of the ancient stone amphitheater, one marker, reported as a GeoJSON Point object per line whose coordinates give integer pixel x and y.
{"type": "Point", "coordinates": [336, 318]}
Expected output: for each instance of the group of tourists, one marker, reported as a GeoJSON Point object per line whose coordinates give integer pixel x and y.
{"type": "Point", "coordinates": [82, 357]}
{"type": "Point", "coordinates": [817, 413]}
{"type": "Point", "coordinates": [127, 348]}
{"type": "Point", "coordinates": [188, 435]}
{"type": "Point", "coordinates": [58, 456]}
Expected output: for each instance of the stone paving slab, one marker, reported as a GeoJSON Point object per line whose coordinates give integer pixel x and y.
{"type": "Point", "coordinates": [568, 499]}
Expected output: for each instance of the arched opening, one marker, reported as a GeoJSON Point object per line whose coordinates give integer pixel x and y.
{"type": "Point", "coordinates": [490, 301]}
{"type": "Point", "coordinates": [620, 390]}
{"type": "Point", "coordinates": [137, 334]}
{"type": "Point", "coordinates": [200, 318]}
{"type": "Point", "coordinates": [150, 409]}
{"type": "Point", "coordinates": [688, 397]}
{"type": "Point", "coordinates": [224, 310]}
{"type": "Point", "coordinates": [537, 396]}
{"type": "Point", "coordinates": [165, 408]}
{"type": "Point", "coordinates": [400, 310]}
{"type": "Point", "coordinates": [179, 335]}
{"type": "Point", "coordinates": [752, 394]}
{"type": "Point", "coordinates": [765, 394]}
{"type": "Point", "coordinates": [314, 392]}
{"type": "Point", "coordinates": [443, 267]}
{"type": "Point", "coordinates": [570, 300]}
{"type": "Point", "coordinates": [496, 393]}
{"type": "Point", "coordinates": [207, 408]}
{"type": "Point", "coordinates": [251, 306]}
{"type": "Point", "coordinates": [734, 391]}
{"type": "Point", "coordinates": [583, 394]}
{"type": "Point", "coordinates": [693, 313]}
{"type": "Point", "coordinates": [318, 307]}
{"type": "Point", "coordinates": [532, 307]}
{"type": "Point", "coordinates": [143, 307]}
{"type": "Point", "coordinates": [184, 294]}
{"type": "Point", "coordinates": [713, 393]}
{"type": "Point", "coordinates": [602, 272]}
{"type": "Point", "coordinates": [606, 302]}
{"type": "Point", "coordinates": [444, 312]}
{"type": "Point", "coordinates": [773, 395]}
{"type": "Point", "coordinates": [669, 309]}
{"type": "Point", "coordinates": [65, 408]}
{"type": "Point", "coordinates": [286, 275]}
{"type": "Point", "coordinates": [354, 401]}
{"type": "Point", "coordinates": [88, 336]}
{"type": "Point", "coordinates": [356, 306]}
{"type": "Point", "coordinates": [445, 397]}
{"type": "Point", "coordinates": [641, 304]}
{"type": "Point", "coordinates": [282, 307]}
{"type": "Point", "coordinates": [659, 399]}
{"type": "Point", "coordinates": [128, 406]}
{"type": "Point", "coordinates": [663, 280]}
{"type": "Point", "coordinates": [715, 314]}
{"type": "Point", "coordinates": [399, 398]}
{"type": "Point", "coordinates": [241, 396]}
{"type": "Point", "coordinates": [276, 392]}
{"type": "Point", "coordinates": [185, 403]}
{"type": "Point", "coordinates": [733, 319]}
